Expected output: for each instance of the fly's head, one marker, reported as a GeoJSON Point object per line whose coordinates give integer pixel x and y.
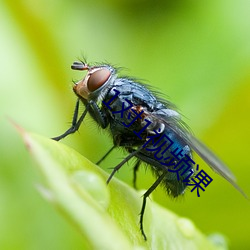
{"type": "Point", "coordinates": [93, 84]}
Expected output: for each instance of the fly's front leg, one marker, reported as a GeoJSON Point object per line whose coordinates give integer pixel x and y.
{"type": "Point", "coordinates": [75, 123]}
{"type": "Point", "coordinates": [97, 114]}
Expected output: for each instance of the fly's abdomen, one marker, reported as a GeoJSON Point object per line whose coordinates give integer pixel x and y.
{"type": "Point", "coordinates": [169, 155]}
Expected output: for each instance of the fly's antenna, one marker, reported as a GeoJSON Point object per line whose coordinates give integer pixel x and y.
{"type": "Point", "coordinates": [80, 66]}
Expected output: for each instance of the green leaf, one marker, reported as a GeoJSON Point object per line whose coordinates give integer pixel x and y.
{"type": "Point", "coordinates": [107, 215]}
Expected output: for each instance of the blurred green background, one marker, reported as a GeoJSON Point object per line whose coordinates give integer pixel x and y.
{"type": "Point", "coordinates": [197, 53]}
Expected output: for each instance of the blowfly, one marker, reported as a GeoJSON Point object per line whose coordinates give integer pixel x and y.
{"type": "Point", "coordinates": [148, 127]}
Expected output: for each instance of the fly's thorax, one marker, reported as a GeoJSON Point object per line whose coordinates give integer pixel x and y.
{"type": "Point", "coordinates": [94, 85]}
{"type": "Point", "coordinates": [154, 127]}
{"type": "Point", "coordinates": [156, 120]}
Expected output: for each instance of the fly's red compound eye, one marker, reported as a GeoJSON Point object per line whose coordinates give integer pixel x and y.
{"type": "Point", "coordinates": [97, 79]}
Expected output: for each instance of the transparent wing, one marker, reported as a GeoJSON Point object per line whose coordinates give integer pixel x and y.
{"type": "Point", "coordinates": [213, 161]}
{"type": "Point", "coordinates": [176, 125]}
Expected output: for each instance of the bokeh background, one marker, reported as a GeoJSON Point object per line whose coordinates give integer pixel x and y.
{"type": "Point", "coordinates": [195, 52]}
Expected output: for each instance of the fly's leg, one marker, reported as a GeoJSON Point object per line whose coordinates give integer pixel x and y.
{"type": "Point", "coordinates": [97, 114]}
{"type": "Point", "coordinates": [91, 107]}
{"type": "Point", "coordinates": [122, 163]}
{"type": "Point", "coordinates": [145, 196]}
{"type": "Point", "coordinates": [75, 124]}
{"type": "Point", "coordinates": [135, 169]}
{"type": "Point", "coordinates": [105, 155]}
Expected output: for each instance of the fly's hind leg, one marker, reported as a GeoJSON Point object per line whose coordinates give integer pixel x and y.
{"type": "Point", "coordinates": [135, 169]}
{"type": "Point", "coordinates": [145, 196]}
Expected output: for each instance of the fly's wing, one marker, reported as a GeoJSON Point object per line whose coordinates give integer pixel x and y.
{"type": "Point", "coordinates": [176, 125]}
{"type": "Point", "coordinates": [213, 161]}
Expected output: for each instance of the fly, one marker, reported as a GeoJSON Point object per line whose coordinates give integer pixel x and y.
{"type": "Point", "coordinates": [138, 120]}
